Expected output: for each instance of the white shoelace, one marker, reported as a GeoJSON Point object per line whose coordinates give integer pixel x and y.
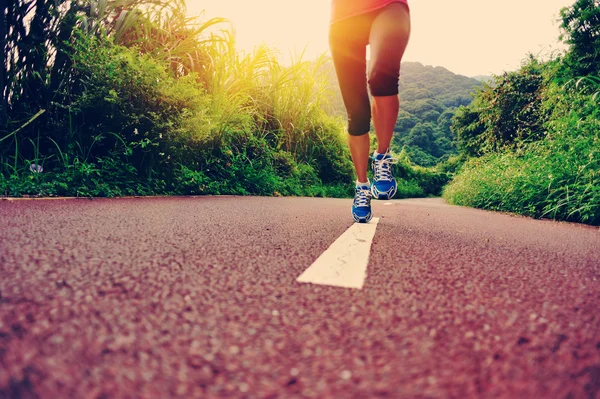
{"type": "Point", "coordinates": [363, 195]}
{"type": "Point", "coordinates": [383, 168]}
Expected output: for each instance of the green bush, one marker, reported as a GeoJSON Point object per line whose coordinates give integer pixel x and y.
{"type": "Point", "coordinates": [417, 181]}
{"type": "Point", "coordinates": [106, 177]}
{"type": "Point", "coordinates": [505, 113]}
{"type": "Point", "coordinates": [538, 130]}
{"type": "Point", "coordinates": [197, 118]}
{"type": "Point", "coordinates": [557, 178]}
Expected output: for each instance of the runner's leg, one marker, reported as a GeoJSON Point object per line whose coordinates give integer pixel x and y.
{"type": "Point", "coordinates": [388, 39]}
{"type": "Point", "coordinates": [348, 41]}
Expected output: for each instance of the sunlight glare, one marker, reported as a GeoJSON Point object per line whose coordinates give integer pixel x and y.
{"type": "Point", "coordinates": [470, 37]}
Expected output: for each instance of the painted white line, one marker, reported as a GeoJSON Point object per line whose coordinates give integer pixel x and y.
{"type": "Point", "coordinates": [344, 264]}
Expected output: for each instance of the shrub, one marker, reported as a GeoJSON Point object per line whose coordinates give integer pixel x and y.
{"type": "Point", "coordinates": [557, 178]}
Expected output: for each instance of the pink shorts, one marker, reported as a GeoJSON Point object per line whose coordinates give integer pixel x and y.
{"type": "Point", "coordinates": [342, 9]}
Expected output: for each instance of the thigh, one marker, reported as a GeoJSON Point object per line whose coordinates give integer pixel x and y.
{"type": "Point", "coordinates": [348, 41]}
{"type": "Point", "coordinates": [388, 39]}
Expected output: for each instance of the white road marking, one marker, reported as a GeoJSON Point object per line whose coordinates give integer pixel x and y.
{"type": "Point", "coordinates": [344, 264]}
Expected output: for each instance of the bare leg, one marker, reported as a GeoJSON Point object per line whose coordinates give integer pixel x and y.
{"type": "Point", "coordinates": [361, 150]}
{"type": "Point", "coordinates": [388, 39]}
{"type": "Point", "coordinates": [348, 41]}
{"type": "Point", "coordinates": [385, 113]}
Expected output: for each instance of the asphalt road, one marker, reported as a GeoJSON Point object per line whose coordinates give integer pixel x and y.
{"type": "Point", "coordinates": [198, 298]}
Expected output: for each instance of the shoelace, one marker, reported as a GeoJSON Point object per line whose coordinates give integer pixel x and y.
{"type": "Point", "coordinates": [363, 195]}
{"type": "Point", "coordinates": [383, 168]}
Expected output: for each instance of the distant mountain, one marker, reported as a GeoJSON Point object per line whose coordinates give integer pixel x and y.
{"type": "Point", "coordinates": [483, 78]}
{"type": "Point", "coordinates": [418, 81]}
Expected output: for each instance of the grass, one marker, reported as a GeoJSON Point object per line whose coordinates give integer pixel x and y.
{"type": "Point", "coordinates": [246, 126]}
{"type": "Point", "coordinates": [556, 178]}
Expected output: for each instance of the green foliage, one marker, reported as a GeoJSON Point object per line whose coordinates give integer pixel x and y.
{"type": "Point", "coordinates": [537, 132]}
{"type": "Point", "coordinates": [430, 97]}
{"type": "Point", "coordinates": [122, 105]}
{"type": "Point", "coordinates": [555, 178]}
{"type": "Point", "coordinates": [106, 177]}
{"type": "Point", "coordinates": [200, 118]}
{"type": "Point", "coordinates": [504, 114]}
{"type": "Point", "coordinates": [581, 31]}
{"type": "Point", "coordinates": [417, 181]}
{"type": "Point", "coordinates": [253, 168]}
{"type": "Point", "coordinates": [453, 165]}
{"type": "Point", "coordinates": [170, 37]}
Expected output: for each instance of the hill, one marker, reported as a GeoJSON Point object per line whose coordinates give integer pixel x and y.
{"type": "Point", "coordinates": [483, 78]}
{"type": "Point", "coordinates": [429, 97]}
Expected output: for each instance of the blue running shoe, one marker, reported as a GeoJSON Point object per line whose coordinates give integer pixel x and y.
{"type": "Point", "coordinates": [361, 207]}
{"type": "Point", "coordinates": [384, 184]}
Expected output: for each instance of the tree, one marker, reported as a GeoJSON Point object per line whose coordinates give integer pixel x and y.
{"type": "Point", "coordinates": [505, 114]}
{"type": "Point", "coordinates": [444, 123]}
{"type": "Point", "coordinates": [469, 128]}
{"type": "Point", "coordinates": [581, 30]}
{"type": "Point", "coordinates": [422, 136]}
{"type": "Point", "coordinates": [405, 122]}
{"type": "Point", "coordinates": [431, 116]}
{"type": "Point", "coordinates": [420, 107]}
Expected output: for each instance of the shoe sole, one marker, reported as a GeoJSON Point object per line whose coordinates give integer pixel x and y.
{"type": "Point", "coordinates": [365, 219]}
{"type": "Point", "coordinates": [383, 196]}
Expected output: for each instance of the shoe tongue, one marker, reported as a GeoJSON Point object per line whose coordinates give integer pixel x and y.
{"type": "Point", "coordinates": [379, 157]}
{"type": "Point", "coordinates": [365, 187]}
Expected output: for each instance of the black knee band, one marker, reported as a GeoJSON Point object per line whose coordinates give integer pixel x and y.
{"type": "Point", "coordinates": [383, 84]}
{"type": "Point", "coordinates": [359, 123]}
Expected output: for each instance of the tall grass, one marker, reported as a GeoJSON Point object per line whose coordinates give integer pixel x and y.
{"type": "Point", "coordinates": [198, 118]}
{"type": "Point", "coordinates": [552, 171]}
{"type": "Point", "coordinates": [557, 178]}
{"type": "Point", "coordinates": [152, 101]}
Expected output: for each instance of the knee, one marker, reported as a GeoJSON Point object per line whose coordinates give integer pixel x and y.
{"type": "Point", "coordinates": [383, 81]}
{"type": "Point", "coordinates": [359, 123]}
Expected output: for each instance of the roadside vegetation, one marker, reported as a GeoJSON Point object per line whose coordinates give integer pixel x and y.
{"type": "Point", "coordinates": [110, 98]}
{"type": "Point", "coordinates": [430, 97]}
{"type": "Point", "coordinates": [132, 97]}
{"type": "Point", "coordinates": [532, 136]}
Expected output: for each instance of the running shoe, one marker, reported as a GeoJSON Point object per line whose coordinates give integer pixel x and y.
{"type": "Point", "coordinates": [361, 207]}
{"type": "Point", "coordinates": [384, 184]}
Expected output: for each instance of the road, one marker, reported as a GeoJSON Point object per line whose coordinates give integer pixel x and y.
{"type": "Point", "coordinates": [199, 298]}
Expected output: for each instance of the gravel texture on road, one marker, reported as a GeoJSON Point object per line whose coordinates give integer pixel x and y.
{"type": "Point", "coordinates": [197, 298]}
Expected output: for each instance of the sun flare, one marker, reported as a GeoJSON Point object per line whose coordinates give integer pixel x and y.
{"type": "Point", "coordinates": [470, 37]}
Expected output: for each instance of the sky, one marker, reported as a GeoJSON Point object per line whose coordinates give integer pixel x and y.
{"type": "Point", "coordinates": [468, 37]}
